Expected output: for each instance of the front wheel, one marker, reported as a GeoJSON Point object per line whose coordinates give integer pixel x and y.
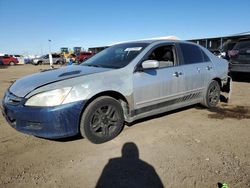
{"type": "Point", "coordinates": [102, 120]}
{"type": "Point", "coordinates": [59, 62]}
{"type": "Point", "coordinates": [212, 97]}
{"type": "Point", "coordinates": [12, 63]}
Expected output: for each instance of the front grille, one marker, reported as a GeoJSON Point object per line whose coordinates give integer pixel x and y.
{"type": "Point", "coordinates": [12, 99]}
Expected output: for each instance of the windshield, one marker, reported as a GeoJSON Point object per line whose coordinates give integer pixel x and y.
{"type": "Point", "coordinates": [117, 56]}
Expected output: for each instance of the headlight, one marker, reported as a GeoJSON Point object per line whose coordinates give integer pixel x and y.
{"type": "Point", "coordinates": [49, 98]}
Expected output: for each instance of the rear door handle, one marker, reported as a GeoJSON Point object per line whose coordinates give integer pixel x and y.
{"type": "Point", "coordinates": [177, 74]}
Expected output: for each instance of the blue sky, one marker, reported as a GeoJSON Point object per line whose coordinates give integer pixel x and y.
{"type": "Point", "coordinates": [26, 25]}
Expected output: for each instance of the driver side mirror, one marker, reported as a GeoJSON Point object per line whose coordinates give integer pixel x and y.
{"type": "Point", "coordinates": [150, 64]}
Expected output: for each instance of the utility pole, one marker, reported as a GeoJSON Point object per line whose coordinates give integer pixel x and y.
{"type": "Point", "coordinates": [50, 55]}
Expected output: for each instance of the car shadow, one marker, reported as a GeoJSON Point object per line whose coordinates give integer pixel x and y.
{"type": "Point", "coordinates": [67, 139]}
{"type": "Point", "coordinates": [241, 77]}
{"type": "Point", "coordinates": [128, 171]}
{"type": "Point", "coordinates": [4, 66]}
{"type": "Point", "coordinates": [196, 106]}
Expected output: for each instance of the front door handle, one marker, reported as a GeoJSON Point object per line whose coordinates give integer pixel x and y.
{"type": "Point", "coordinates": [209, 67]}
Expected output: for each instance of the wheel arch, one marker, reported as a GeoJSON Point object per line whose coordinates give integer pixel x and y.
{"type": "Point", "coordinates": [39, 62]}
{"type": "Point", "coordinates": [110, 93]}
{"type": "Point", "coordinates": [219, 81]}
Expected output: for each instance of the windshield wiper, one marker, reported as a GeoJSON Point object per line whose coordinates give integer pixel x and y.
{"type": "Point", "coordinates": [102, 66]}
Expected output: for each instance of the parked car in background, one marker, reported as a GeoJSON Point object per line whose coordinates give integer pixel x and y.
{"type": "Point", "coordinates": [226, 49]}
{"type": "Point", "coordinates": [240, 57]}
{"type": "Point", "coordinates": [9, 60]}
{"type": "Point", "coordinates": [216, 52]}
{"type": "Point", "coordinates": [122, 83]}
{"type": "Point", "coordinates": [28, 60]}
{"type": "Point", "coordinates": [83, 56]}
{"type": "Point", "coordinates": [20, 58]}
{"type": "Point", "coordinates": [57, 59]}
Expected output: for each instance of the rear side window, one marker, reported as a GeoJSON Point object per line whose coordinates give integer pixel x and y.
{"type": "Point", "coordinates": [205, 57]}
{"type": "Point", "coordinates": [242, 45]}
{"type": "Point", "coordinates": [191, 53]}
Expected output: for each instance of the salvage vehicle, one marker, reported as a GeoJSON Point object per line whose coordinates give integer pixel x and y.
{"type": "Point", "coordinates": [8, 60]}
{"type": "Point", "coordinates": [56, 58]}
{"type": "Point", "coordinates": [119, 85]}
{"type": "Point", "coordinates": [83, 56]}
{"type": "Point", "coordinates": [240, 57]}
{"type": "Point", "coordinates": [20, 58]}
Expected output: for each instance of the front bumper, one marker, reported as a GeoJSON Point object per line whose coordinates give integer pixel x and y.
{"type": "Point", "coordinates": [239, 68]}
{"type": "Point", "coordinates": [47, 122]}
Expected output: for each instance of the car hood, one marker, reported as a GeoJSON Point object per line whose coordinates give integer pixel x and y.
{"type": "Point", "coordinates": [25, 85]}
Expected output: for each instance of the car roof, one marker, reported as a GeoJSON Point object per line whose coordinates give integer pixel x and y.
{"type": "Point", "coordinates": [243, 40]}
{"type": "Point", "coordinates": [156, 41]}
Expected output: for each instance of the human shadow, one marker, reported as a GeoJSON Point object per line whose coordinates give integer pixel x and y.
{"type": "Point", "coordinates": [128, 171]}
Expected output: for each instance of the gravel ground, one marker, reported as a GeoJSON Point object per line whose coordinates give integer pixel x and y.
{"type": "Point", "coordinates": [191, 147]}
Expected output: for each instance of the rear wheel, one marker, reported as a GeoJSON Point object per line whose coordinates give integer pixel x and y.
{"type": "Point", "coordinates": [12, 63]}
{"type": "Point", "coordinates": [102, 120]}
{"type": "Point", "coordinates": [212, 97]}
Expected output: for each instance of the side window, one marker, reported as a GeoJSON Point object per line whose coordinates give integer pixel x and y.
{"type": "Point", "coordinates": [205, 57]}
{"type": "Point", "coordinates": [163, 54]}
{"type": "Point", "coordinates": [191, 53]}
{"type": "Point", "coordinates": [55, 56]}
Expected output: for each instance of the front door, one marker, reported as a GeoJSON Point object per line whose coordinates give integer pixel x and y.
{"type": "Point", "coordinates": [154, 86]}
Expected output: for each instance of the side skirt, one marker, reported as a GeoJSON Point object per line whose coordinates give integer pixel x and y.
{"type": "Point", "coordinates": [165, 106]}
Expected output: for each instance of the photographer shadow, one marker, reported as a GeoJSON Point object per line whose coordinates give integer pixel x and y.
{"type": "Point", "coordinates": [129, 171]}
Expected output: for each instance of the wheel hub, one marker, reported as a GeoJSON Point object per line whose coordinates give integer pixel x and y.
{"type": "Point", "coordinates": [105, 120]}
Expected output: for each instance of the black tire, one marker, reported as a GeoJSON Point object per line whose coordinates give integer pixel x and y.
{"type": "Point", "coordinates": [11, 63]}
{"type": "Point", "coordinates": [59, 63]}
{"type": "Point", "coordinates": [39, 63]}
{"type": "Point", "coordinates": [212, 97]}
{"type": "Point", "coordinates": [102, 120]}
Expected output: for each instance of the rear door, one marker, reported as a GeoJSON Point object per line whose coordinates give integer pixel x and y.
{"type": "Point", "coordinates": [197, 68]}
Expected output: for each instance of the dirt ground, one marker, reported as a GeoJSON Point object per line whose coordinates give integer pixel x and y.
{"type": "Point", "coordinates": [191, 147]}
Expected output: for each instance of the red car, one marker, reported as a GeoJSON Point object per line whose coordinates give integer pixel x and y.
{"type": "Point", "coordinates": [83, 56]}
{"type": "Point", "coordinates": [8, 60]}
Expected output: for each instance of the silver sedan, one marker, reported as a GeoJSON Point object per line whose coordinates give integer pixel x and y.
{"type": "Point", "coordinates": [123, 83]}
